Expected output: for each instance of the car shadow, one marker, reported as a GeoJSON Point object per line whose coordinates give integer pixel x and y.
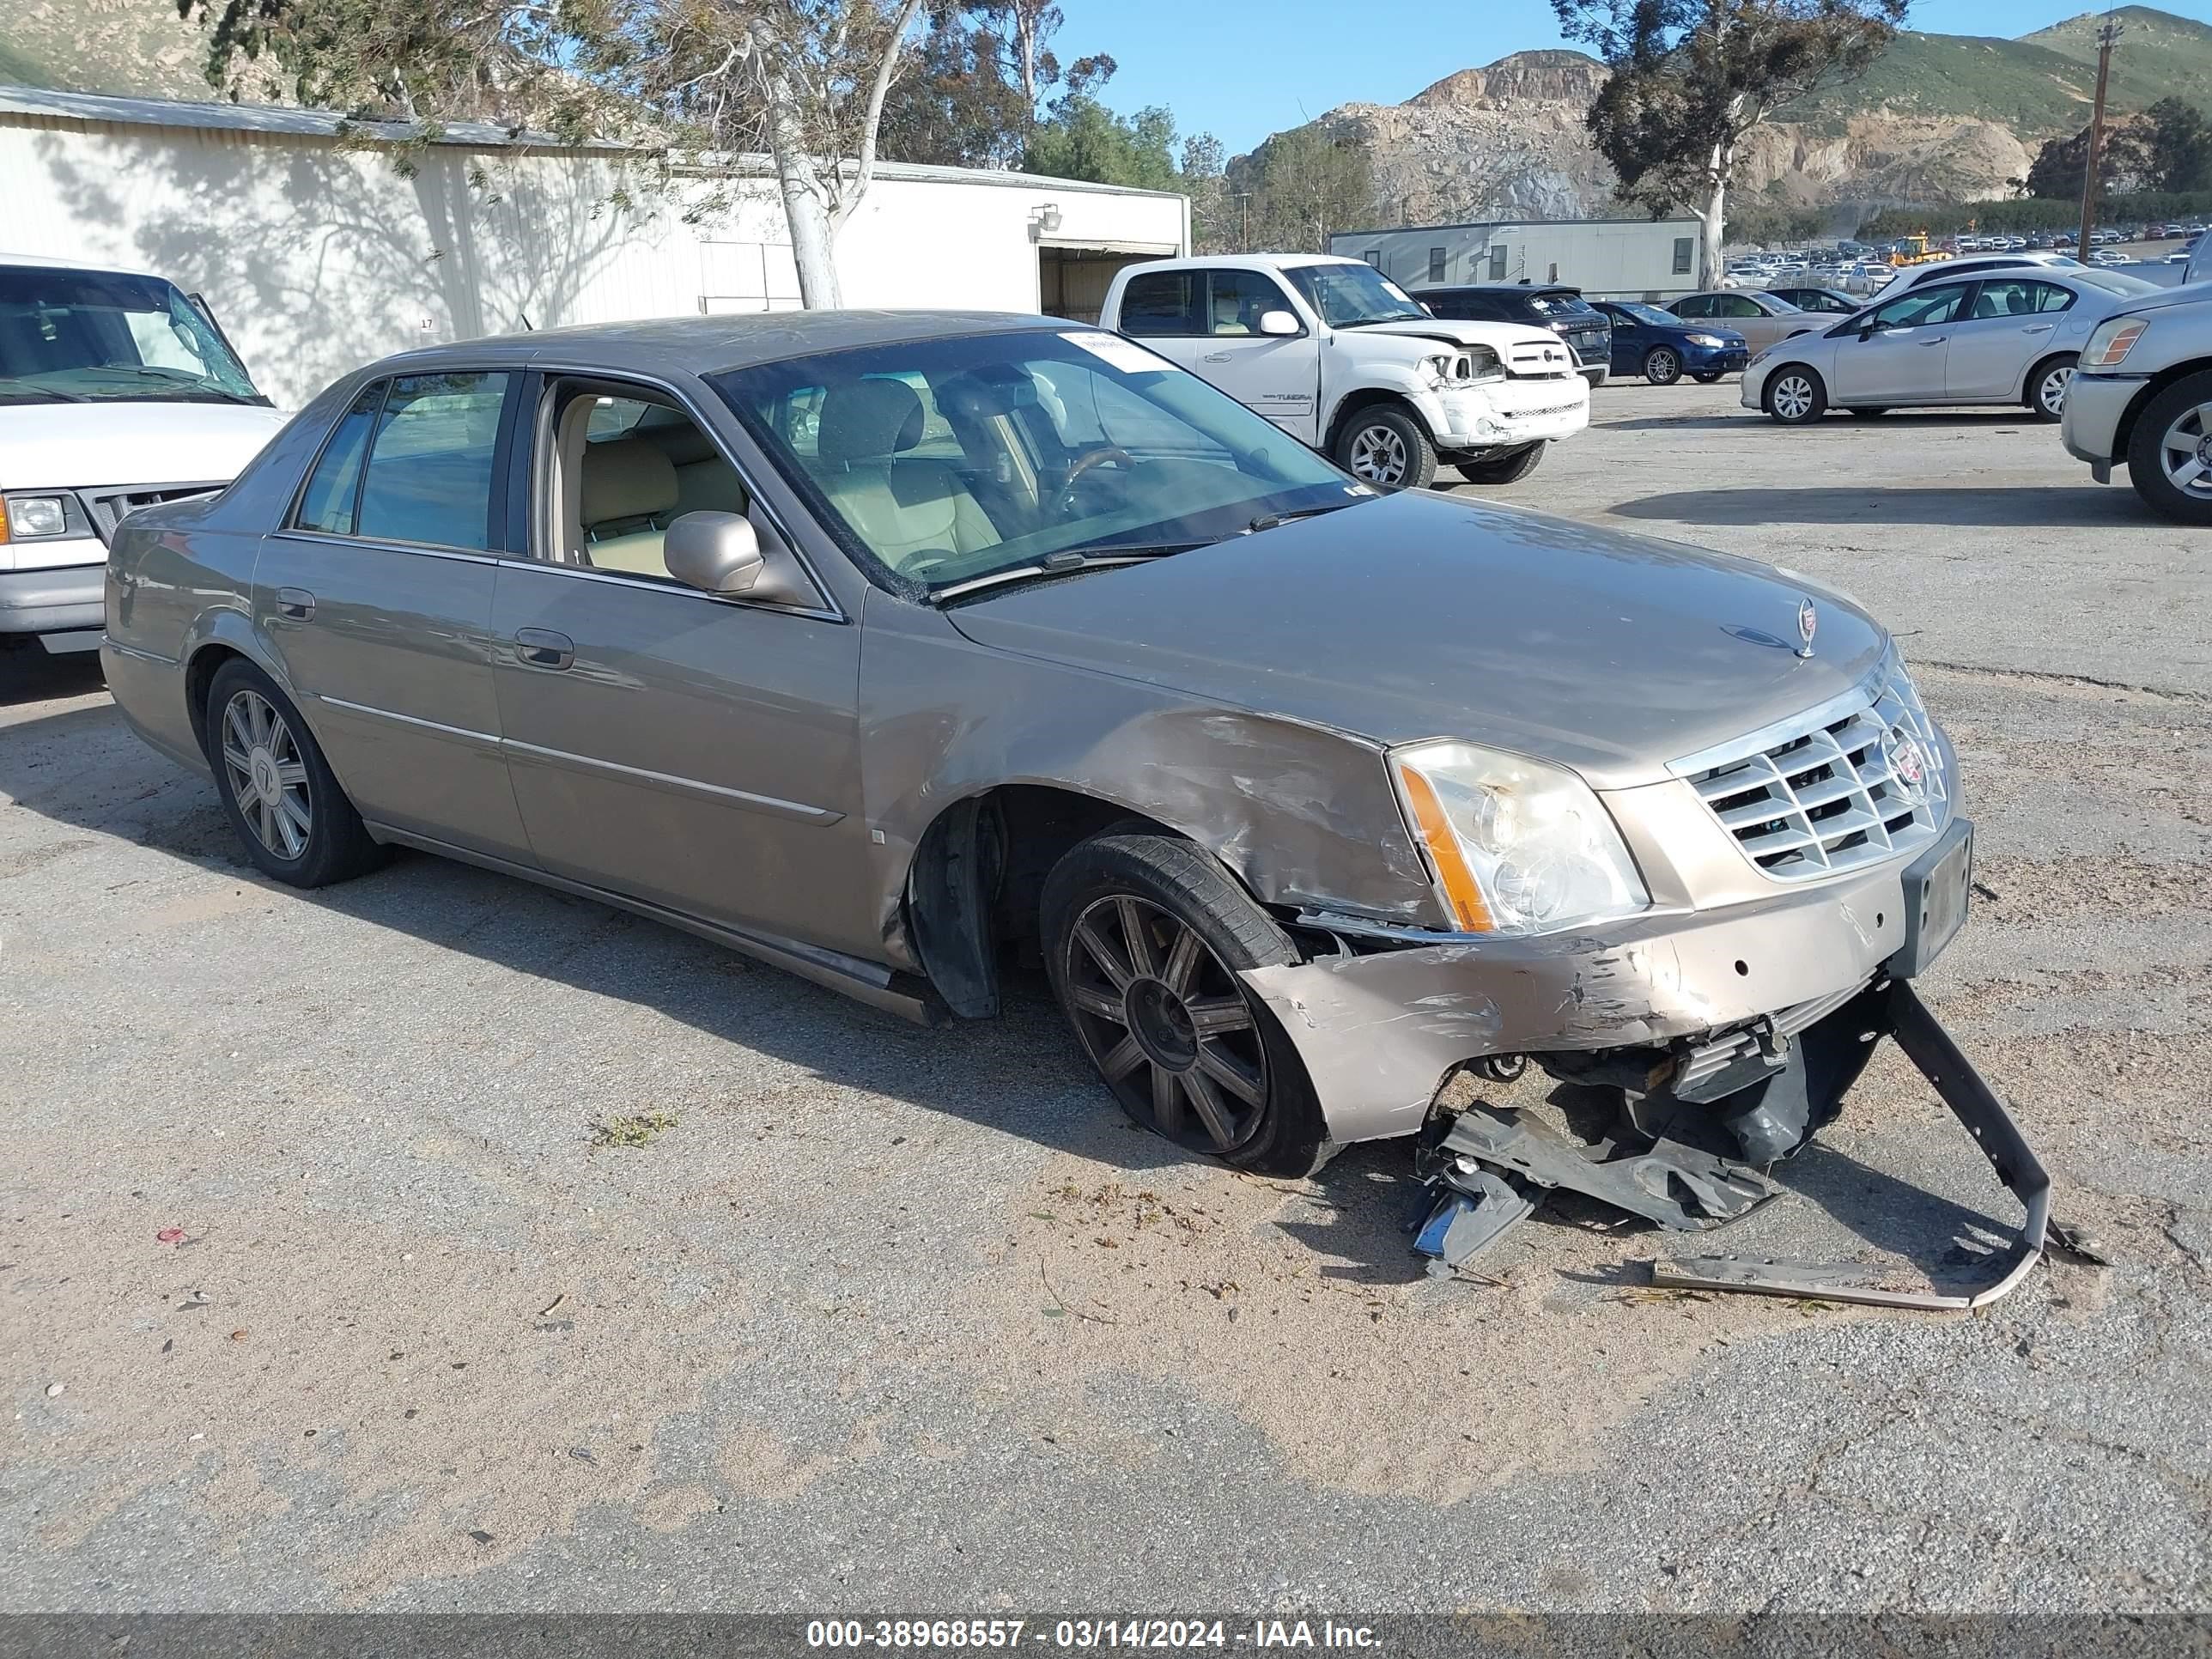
{"type": "Point", "coordinates": [28, 674]}
{"type": "Point", "coordinates": [1890, 506]}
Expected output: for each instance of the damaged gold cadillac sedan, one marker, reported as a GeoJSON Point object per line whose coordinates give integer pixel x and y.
{"type": "Point", "coordinates": [891, 646]}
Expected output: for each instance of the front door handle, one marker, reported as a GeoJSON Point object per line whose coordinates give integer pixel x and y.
{"type": "Point", "coordinates": [1937, 340]}
{"type": "Point", "coordinates": [297, 603]}
{"type": "Point", "coordinates": [541, 648]}
{"type": "Point", "coordinates": [1215, 357]}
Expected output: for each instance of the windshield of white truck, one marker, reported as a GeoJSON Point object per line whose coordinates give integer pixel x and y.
{"type": "Point", "coordinates": [95, 336]}
{"type": "Point", "coordinates": [1352, 296]}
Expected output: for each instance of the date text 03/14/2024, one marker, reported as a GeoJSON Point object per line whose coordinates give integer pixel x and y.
{"type": "Point", "coordinates": [1086, 1633]}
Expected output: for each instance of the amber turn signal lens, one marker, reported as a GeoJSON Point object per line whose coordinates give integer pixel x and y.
{"type": "Point", "coordinates": [1459, 883]}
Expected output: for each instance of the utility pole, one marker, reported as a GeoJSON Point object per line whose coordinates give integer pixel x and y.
{"type": "Point", "coordinates": [2106, 38]}
{"type": "Point", "coordinates": [1244, 234]}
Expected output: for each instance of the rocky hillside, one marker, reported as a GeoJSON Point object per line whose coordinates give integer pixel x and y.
{"type": "Point", "coordinates": [1939, 118]}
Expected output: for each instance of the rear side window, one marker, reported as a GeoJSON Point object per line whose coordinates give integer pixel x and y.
{"type": "Point", "coordinates": [430, 473]}
{"type": "Point", "coordinates": [1159, 304]}
{"type": "Point", "coordinates": [334, 487]}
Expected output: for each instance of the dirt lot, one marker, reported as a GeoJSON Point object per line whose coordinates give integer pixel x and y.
{"type": "Point", "coordinates": [892, 1319]}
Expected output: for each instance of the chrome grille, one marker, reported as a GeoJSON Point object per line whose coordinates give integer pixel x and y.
{"type": "Point", "coordinates": [1539, 357]}
{"type": "Point", "coordinates": [108, 508]}
{"type": "Point", "coordinates": [1835, 794]}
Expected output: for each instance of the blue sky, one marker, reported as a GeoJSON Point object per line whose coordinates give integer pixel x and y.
{"type": "Point", "coordinates": [1244, 69]}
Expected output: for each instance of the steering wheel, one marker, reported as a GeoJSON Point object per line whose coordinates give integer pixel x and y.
{"type": "Point", "coordinates": [1097, 455]}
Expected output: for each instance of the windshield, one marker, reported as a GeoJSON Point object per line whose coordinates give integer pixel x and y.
{"type": "Point", "coordinates": [94, 336]}
{"type": "Point", "coordinates": [1353, 296]}
{"type": "Point", "coordinates": [940, 461]}
{"type": "Point", "coordinates": [1648, 315]}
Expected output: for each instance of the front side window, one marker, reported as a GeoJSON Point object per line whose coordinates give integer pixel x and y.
{"type": "Point", "coordinates": [630, 467]}
{"type": "Point", "coordinates": [1918, 310]}
{"type": "Point", "coordinates": [1238, 299]}
{"type": "Point", "coordinates": [1352, 297]}
{"type": "Point", "coordinates": [1061, 443]}
{"type": "Point", "coordinates": [76, 337]}
{"type": "Point", "coordinates": [1159, 303]}
{"type": "Point", "coordinates": [429, 474]}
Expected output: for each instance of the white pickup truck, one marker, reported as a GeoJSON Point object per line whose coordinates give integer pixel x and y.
{"type": "Point", "coordinates": [117, 390]}
{"type": "Point", "coordinates": [1343, 359]}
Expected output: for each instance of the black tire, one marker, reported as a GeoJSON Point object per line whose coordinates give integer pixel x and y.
{"type": "Point", "coordinates": [1506, 469]}
{"type": "Point", "coordinates": [1793, 407]}
{"type": "Point", "coordinates": [1662, 365]}
{"type": "Point", "coordinates": [1135, 1019]}
{"type": "Point", "coordinates": [1864, 413]}
{"type": "Point", "coordinates": [1387, 447]}
{"type": "Point", "coordinates": [2175, 427]}
{"type": "Point", "coordinates": [333, 845]}
{"type": "Point", "coordinates": [1706, 376]}
{"type": "Point", "coordinates": [2045, 401]}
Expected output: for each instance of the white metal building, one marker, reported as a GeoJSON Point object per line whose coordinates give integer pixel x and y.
{"type": "Point", "coordinates": [1606, 259]}
{"type": "Point", "coordinates": [319, 253]}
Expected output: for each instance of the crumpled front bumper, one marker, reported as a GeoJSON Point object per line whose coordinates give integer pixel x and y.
{"type": "Point", "coordinates": [1510, 412]}
{"type": "Point", "coordinates": [1377, 1030]}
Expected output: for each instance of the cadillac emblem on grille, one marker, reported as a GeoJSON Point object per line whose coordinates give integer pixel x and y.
{"type": "Point", "coordinates": [1808, 620]}
{"type": "Point", "coordinates": [1908, 762]}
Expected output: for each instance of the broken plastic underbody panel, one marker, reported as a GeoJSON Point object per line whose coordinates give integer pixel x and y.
{"type": "Point", "coordinates": [1767, 1096]}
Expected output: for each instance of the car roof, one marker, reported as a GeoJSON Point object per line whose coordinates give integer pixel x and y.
{"type": "Point", "coordinates": [707, 345]}
{"type": "Point", "coordinates": [1249, 261]}
{"type": "Point", "coordinates": [46, 261]}
{"type": "Point", "coordinates": [1501, 287]}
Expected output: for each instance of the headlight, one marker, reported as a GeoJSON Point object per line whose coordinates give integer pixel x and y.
{"type": "Point", "coordinates": [1704, 340]}
{"type": "Point", "coordinates": [36, 518]}
{"type": "Point", "coordinates": [1461, 368]}
{"type": "Point", "coordinates": [1515, 846]}
{"type": "Point", "coordinates": [2114, 338]}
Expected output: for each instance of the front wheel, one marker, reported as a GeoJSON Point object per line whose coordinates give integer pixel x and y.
{"type": "Point", "coordinates": [1144, 936]}
{"type": "Point", "coordinates": [2046, 387]}
{"type": "Point", "coordinates": [1662, 365]}
{"type": "Point", "coordinates": [2170, 451]}
{"type": "Point", "coordinates": [1795, 397]}
{"type": "Point", "coordinates": [278, 792]}
{"type": "Point", "coordinates": [1504, 469]}
{"type": "Point", "coordinates": [1387, 447]}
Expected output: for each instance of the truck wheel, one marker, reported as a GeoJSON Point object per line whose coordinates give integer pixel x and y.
{"type": "Point", "coordinates": [1506, 469]}
{"type": "Point", "coordinates": [1795, 397]}
{"type": "Point", "coordinates": [2170, 452]}
{"type": "Point", "coordinates": [278, 792]}
{"type": "Point", "coordinates": [1144, 937]}
{"type": "Point", "coordinates": [2046, 386]}
{"type": "Point", "coordinates": [1387, 447]}
{"type": "Point", "coordinates": [1662, 365]}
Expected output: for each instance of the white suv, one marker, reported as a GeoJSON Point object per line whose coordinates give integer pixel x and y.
{"type": "Point", "coordinates": [117, 390]}
{"type": "Point", "coordinates": [2142, 397]}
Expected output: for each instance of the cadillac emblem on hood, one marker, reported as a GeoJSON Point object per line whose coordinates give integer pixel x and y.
{"type": "Point", "coordinates": [1808, 620]}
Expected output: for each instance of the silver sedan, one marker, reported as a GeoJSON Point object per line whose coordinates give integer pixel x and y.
{"type": "Point", "coordinates": [2008, 337]}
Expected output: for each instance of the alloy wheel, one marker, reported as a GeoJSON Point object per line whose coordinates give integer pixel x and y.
{"type": "Point", "coordinates": [1663, 367]}
{"type": "Point", "coordinates": [2050, 390]}
{"type": "Point", "coordinates": [2184, 453]}
{"type": "Point", "coordinates": [268, 777]}
{"type": "Point", "coordinates": [1379, 455]}
{"type": "Point", "coordinates": [1793, 397]}
{"type": "Point", "coordinates": [1166, 1024]}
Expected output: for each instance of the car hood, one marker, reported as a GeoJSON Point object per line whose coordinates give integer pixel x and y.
{"type": "Point", "coordinates": [91, 445]}
{"type": "Point", "coordinates": [2188, 294]}
{"type": "Point", "coordinates": [1500, 338]}
{"type": "Point", "coordinates": [1417, 616]}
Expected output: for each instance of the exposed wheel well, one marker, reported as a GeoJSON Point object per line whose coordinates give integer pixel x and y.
{"type": "Point", "coordinates": [199, 674]}
{"type": "Point", "coordinates": [1367, 397]}
{"type": "Point", "coordinates": [973, 891]}
{"type": "Point", "coordinates": [2123, 435]}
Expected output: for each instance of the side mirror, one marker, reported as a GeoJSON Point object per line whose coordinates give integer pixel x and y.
{"type": "Point", "coordinates": [1279, 322]}
{"type": "Point", "coordinates": [1872, 326]}
{"type": "Point", "coordinates": [723, 553]}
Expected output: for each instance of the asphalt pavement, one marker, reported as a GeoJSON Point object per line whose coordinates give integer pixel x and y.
{"type": "Point", "coordinates": [319, 1287]}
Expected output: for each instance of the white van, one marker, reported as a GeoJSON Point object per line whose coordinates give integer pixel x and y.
{"type": "Point", "coordinates": [117, 390]}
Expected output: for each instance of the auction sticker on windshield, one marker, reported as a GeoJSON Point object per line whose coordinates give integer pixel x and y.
{"type": "Point", "coordinates": [1125, 355]}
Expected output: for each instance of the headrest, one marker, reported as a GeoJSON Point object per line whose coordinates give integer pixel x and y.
{"type": "Point", "coordinates": [677, 438]}
{"type": "Point", "coordinates": [868, 420]}
{"type": "Point", "coordinates": [625, 478]}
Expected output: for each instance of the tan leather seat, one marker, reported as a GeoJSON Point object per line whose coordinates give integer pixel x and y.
{"type": "Point", "coordinates": [908, 511]}
{"type": "Point", "coordinates": [705, 483]}
{"type": "Point", "coordinates": [628, 494]}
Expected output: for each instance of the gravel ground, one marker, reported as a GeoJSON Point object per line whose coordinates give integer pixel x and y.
{"type": "Point", "coordinates": [910, 1321]}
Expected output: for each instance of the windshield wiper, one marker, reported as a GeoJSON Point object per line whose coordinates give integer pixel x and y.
{"type": "Point", "coordinates": [1065, 564]}
{"type": "Point", "coordinates": [179, 378]}
{"type": "Point", "coordinates": [1269, 520]}
{"type": "Point", "coordinates": [53, 391]}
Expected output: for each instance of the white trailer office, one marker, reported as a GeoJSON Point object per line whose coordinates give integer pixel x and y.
{"type": "Point", "coordinates": [1606, 259]}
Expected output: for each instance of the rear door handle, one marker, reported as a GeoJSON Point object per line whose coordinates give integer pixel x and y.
{"type": "Point", "coordinates": [541, 648]}
{"type": "Point", "coordinates": [1215, 357]}
{"type": "Point", "coordinates": [2036, 328]}
{"type": "Point", "coordinates": [297, 603]}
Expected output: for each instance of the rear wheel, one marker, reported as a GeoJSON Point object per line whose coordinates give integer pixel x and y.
{"type": "Point", "coordinates": [1504, 469]}
{"type": "Point", "coordinates": [1795, 397]}
{"type": "Point", "coordinates": [277, 789]}
{"type": "Point", "coordinates": [1662, 365]}
{"type": "Point", "coordinates": [2170, 451]}
{"type": "Point", "coordinates": [1387, 447]}
{"type": "Point", "coordinates": [1145, 936]}
{"type": "Point", "coordinates": [2046, 387]}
